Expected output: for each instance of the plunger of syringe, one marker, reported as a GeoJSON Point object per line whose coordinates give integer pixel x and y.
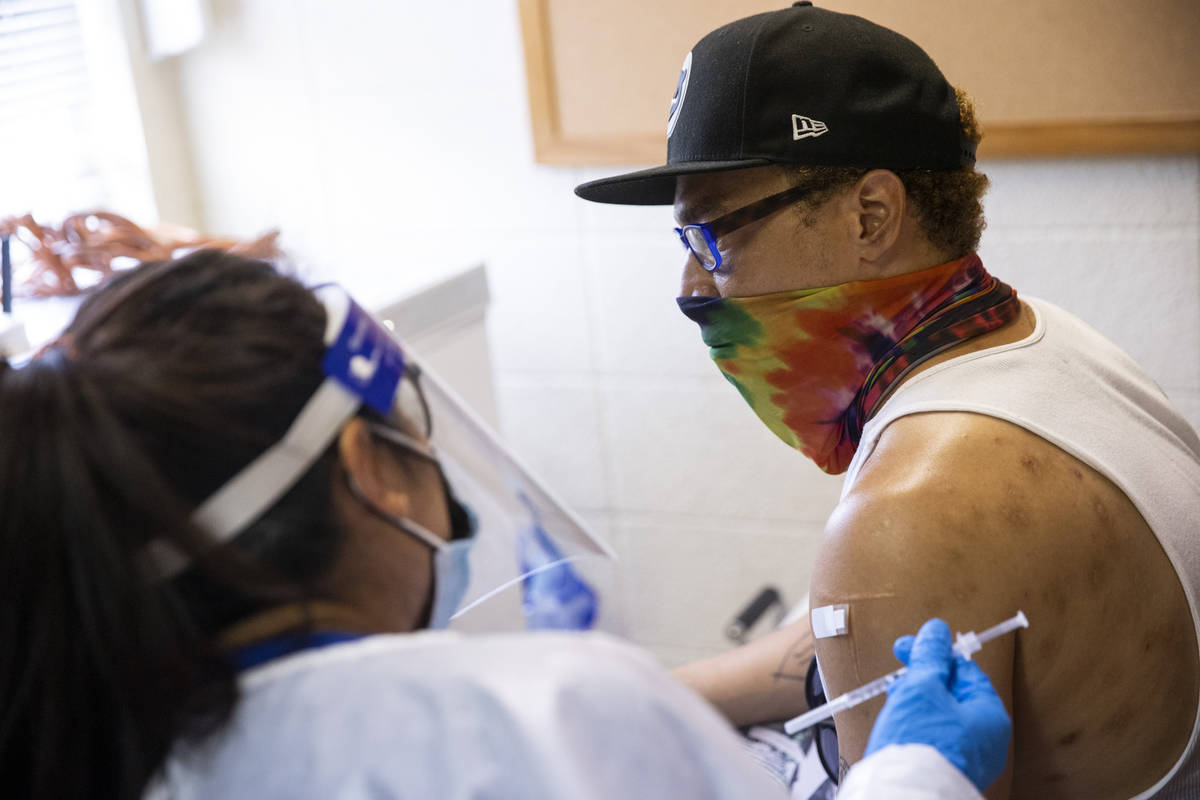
{"type": "Point", "coordinates": [970, 642]}
{"type": "Point", "coordinates": [966, 644]}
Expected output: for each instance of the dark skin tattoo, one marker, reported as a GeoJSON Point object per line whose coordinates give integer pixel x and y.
{"type": "Point", "coordinates": [843, 768]}
{"type": "Point", "coordinates": [794, 666]}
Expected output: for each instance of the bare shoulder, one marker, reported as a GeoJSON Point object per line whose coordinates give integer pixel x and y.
{"type": "Point", "coordinates": [973, 464]}
{"type": "Point", "coordinates": [949, 517]}
{"type": "Point", "coordinates": [970, 518]}
{"type": "Point", "coordinates": [950, 494]}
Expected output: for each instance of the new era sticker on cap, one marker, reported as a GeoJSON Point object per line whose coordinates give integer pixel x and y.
{"type": "Point", "coordinates": [807, 127]}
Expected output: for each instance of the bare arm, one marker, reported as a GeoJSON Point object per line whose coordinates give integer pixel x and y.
{"type": "Point", "coordinates": [759, 682]}
{"type": "Point", "coordinates": [911, 542]}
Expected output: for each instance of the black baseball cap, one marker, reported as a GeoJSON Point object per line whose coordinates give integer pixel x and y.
{"type": "Point", "coordinates": [802, 85]}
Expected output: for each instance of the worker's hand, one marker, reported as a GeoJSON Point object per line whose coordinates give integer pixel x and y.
{"type": "Point", "coordinates": [947, 702]}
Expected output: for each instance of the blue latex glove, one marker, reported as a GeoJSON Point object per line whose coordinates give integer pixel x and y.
{"type": "Point", "coordinates": [947, 702]}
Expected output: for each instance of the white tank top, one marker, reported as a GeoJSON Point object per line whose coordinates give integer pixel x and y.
{"type": "Point", "coordinates": [1074, 388]}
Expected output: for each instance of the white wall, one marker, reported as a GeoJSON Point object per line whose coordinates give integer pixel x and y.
{"type": "Point", "coordinates": [390, 141]}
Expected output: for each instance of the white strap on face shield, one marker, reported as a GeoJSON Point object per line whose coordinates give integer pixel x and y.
{"type": "Point", "coordinates": [362, 364]}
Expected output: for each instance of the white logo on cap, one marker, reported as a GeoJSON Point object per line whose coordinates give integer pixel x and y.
{"type": "Point", "coordinates": [806, 127]}
{"type": "Point", "coordinates": [680, 93]}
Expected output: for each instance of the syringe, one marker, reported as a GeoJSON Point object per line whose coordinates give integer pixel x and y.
{"type": "Point", "coordinates": [965, 645]}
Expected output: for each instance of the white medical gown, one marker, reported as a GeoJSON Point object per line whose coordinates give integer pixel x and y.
{"type": "Point", "coordinates": [436, 716]}
{"type": "Point", "coordinates": [907, 772]}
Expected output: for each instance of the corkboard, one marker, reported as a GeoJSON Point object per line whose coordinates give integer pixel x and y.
{"type": "Point", "coordinates": [1049, 77]}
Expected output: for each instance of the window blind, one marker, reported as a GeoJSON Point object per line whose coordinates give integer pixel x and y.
{"type": "Point", "coordinates": [47, 162]}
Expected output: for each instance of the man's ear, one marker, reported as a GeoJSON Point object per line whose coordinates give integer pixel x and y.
{"type": "Point", "coordinates": [371, 469]}
{"type": "Point", "coordinates": [880, 203]}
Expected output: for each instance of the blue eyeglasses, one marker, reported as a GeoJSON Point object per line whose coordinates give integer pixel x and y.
{"type": "Point", "coordinates": [701, 239]}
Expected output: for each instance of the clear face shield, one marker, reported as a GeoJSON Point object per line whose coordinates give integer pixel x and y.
{"type": "Point", "coordinates": [533, 563]}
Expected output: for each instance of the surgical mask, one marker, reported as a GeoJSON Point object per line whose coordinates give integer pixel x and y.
{"type": "Point", "coordinates": [814, 364]}
{"type": "Point", "coordinates": [451, 557]}
{"type": "Point", "coordinates": [452, 569]}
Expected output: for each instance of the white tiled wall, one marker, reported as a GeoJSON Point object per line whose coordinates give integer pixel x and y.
{"type": "Point", "coordinates": [390, 141]}
{"type": "Point", "coordinates": [1116, 242]}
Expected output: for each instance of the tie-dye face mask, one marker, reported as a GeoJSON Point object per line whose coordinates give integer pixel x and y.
{"type": "Point", "coordinates": [815, 363]}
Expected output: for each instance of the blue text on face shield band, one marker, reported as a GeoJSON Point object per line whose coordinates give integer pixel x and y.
{"type": "Point", "coordinates": [366, 360]}
{"type": "Point", "coordinates": [553, 596]}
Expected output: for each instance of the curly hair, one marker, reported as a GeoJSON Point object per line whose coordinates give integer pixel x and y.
{"type": "Point", "coordinates": [947, 203]}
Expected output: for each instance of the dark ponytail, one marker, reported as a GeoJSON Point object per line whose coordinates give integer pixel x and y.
{"type": "Point", "coordinates": [170, 379]}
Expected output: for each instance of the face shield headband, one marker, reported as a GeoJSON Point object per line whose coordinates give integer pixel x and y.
{"type": "Point", "coordinates": [363, 364]}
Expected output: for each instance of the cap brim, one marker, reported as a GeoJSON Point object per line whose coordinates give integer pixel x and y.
{"type": "Point", "coordinates": [655, 186]}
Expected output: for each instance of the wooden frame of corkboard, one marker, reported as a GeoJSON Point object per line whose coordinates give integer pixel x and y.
{"type": "Point", "coordinates": [1049, 77]}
